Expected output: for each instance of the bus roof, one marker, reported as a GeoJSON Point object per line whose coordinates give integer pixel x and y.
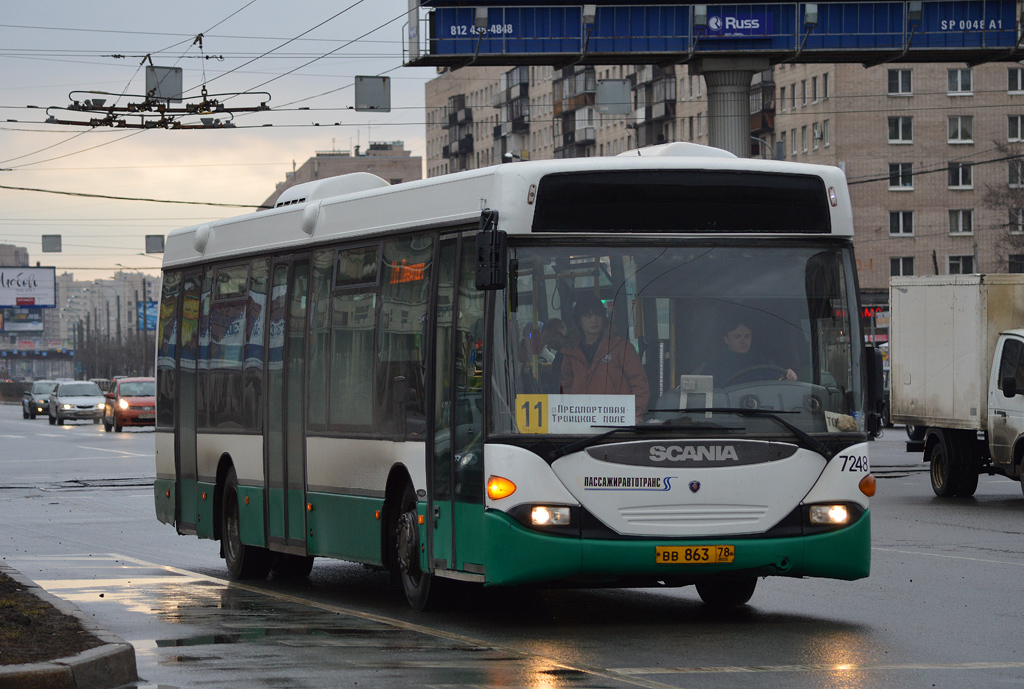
{"type": "Point", "coordinates": [324, 212]}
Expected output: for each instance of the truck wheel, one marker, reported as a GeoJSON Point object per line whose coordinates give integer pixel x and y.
{"type": "Point", "coordinates": [916, 433]}
{"type": "Point", "coordinates": [728, 593]}
{"type": "Point", "coordinates": [945, 469]}
{"type": "Point", "coordinates": [968, 483]}
{"type": "Point", "coordinates": [243, 561]}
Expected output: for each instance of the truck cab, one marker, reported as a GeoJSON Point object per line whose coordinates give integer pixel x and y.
{"type": "Point", "coordinates": [1006, 403]}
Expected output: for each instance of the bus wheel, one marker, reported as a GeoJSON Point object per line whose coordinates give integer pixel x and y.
{"type": "Point", "coordinates": [243, 561]}
{"type": "Point", "coordinates": [422, 590]}
{"type": "Point", "coordinates": [294, 567]}
{"type": "Point", "coordinates": [727, 593]}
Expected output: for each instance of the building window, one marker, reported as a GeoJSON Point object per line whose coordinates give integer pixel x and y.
{"type": "Point", "coordinates": [782, 143]}
{"type": "Point", "coordinates": [792, 137]}
{"type": "Point", "coordinates": [1015, 174]}
{"type": "Point", "coordinates": [826, 134]}
{"type": "Point", "coordinates": [824, 86]}
{"type": "Point", "coordinates": [782, 97]}
{"type": "Point", "coordinates": [901, 223]}
{"type": "Point", "coordinates": [1016, 221]}
{"type": "Point", "coordinates": [901, 130]}
{"type": "Point", "coordinates": [958, 82]}
{"type": "Point", "coordinates": [900, 83]}
{"type": "Point", "coordinates": [961, 265]}
{"type": "Point", "coordinates": [1015, 127]}
{"type": "Point", "coordinates": [961, 129]}
{"type": "Point", "coordinates": [901, 265]}
{"type": "Point", "coordinates": [816, 136]}
{"type": "Point", "coordinates": [960, 176]}
{"type": "Point", "coordinates": [961, 221]}
{"type": "Point", "coordinates": [1015, 80]}
{"type": "Point", "coordinates": [901, 175]}
{"type": "Point", "coordinates": [803, 137]}
{"type": "Point", "coordinates": [814, 89]}
{"type": "Point", "coordinates": [792, 97]}
{"type": "Point", "coordinates": [803, 92]}
{"type": "Point", "coordinates": [1015, 263]}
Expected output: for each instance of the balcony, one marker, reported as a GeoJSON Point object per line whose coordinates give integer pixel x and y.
{"type": "Point", "coordinates": [460, 116]}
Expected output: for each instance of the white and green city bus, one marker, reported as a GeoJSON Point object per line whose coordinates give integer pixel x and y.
{"type": "Point", "coordinates": [359, 373]}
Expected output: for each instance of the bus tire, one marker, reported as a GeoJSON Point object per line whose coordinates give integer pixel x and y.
{"type": "Point", "coordinates": [727, 593]}
{"type": "Point", "coordinates": [945, 467]}
{"type": "Point", "coordinates": [422, 590]}
{"type": "Point", "coordinates": [292, 567]}
{"type": "Point", "coordinates": [243, 561]}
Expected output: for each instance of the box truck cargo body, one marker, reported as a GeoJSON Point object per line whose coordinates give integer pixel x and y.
{"type": "Point", "coordinates": [953, 342]}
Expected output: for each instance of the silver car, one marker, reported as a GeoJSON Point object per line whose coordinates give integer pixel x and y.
{"type": "Point", "coordinates": [78, 399]}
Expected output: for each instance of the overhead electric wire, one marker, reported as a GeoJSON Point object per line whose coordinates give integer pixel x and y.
{"type": "Point", "coordinates": [130, 198]}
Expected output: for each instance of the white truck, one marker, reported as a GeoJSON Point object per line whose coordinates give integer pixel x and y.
{"type": "Point", "coordinates": [956, 348]}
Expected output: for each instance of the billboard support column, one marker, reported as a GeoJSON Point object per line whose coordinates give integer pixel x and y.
{"type": "Point", "coordinates": [728, 82]}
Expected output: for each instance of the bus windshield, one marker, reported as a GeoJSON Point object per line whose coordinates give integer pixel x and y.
{"type": "Point", "coordinates": [592, 338]}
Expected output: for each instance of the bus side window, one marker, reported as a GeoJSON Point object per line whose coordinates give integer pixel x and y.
{"type": "Point", "coordinates": [401, 340]}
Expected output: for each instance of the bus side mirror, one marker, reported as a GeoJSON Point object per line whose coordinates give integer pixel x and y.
{"type": "Point", "coordinates": [491, 253]}
{"type": "Point", "coordinates": [876, 389]}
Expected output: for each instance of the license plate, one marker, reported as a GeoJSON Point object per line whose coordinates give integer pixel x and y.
{"type": "Point", "coordinates": [694, 554]}
{"type": "Point", "coordinates": [146, 416]}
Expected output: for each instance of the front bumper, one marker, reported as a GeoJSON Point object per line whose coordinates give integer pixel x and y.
{"type": "Point", "coordinates": [517, 555]}
{"type": "Point", "coordinates": [80, 413]}
{"type": "Point", "coordinates": [135, 417]}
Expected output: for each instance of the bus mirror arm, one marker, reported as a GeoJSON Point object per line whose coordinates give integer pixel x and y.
{"type": "Point", "coordinates": [491, 253]}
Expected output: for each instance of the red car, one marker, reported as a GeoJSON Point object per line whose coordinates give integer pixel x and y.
{"type": "Point", "coordinates": [130, 402]}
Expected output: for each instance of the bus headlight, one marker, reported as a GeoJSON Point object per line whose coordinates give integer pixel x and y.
{"type": "Point", "coordinates": [542, 515]}
{"type": "Point", "coordinates": [830, 515]}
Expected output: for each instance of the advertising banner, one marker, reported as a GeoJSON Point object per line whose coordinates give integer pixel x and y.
{"type": "Point", "coordinates": [21, 320]}
{"type": "Point", "coordinates": [23, 286]}
{"type": "Point", "coordinates": [147, 314]}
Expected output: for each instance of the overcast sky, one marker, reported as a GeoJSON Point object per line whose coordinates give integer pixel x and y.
{"type": "Point", "coordinates": [52, 48]}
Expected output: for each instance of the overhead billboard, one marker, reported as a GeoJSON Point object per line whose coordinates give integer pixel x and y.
{"type": "Point", "coordinates": [21, 320]}
{"type": "Point", "coordinates": [515, 32]}
{"type": "Point", "coordinates": [22, 286]}
{"type": "Point", "coordinates": [146, 315]}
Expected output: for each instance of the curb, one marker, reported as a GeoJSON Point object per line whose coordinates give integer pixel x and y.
{"type": "Point", "coordinates": [105, 667]}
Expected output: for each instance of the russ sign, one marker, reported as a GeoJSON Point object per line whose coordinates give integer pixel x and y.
{"type": "Point", "coordinates": [23, 286]}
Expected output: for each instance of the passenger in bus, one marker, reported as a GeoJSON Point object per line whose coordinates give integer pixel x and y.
{"type": "Point", "coordinates": [602, 363]}
{"type": "Point", "coordinates": [553, 334]}
{"type": "Point", "coordinates": [737, 364]}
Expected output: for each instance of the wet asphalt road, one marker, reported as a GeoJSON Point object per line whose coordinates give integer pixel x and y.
{"type": "Point", "coordinates": [941, 608]}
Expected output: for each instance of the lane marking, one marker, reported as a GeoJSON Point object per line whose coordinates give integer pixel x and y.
{"type": "Point", "coordinates": [836, 667]}
{"type": "Point", "coordinates": [949, 557]}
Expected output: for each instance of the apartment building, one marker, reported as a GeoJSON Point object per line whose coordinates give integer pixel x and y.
{"type": "Point", "coordinates": [927, 148]}
{"type": "Point", "coordinates": [387, 159]}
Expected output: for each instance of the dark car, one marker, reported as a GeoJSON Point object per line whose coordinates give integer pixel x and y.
{"type": "Point", "coordinates": [130, 402]}
{"type": "Point", "coordinates": [36, 398]}
{"type": "Point", "coordinates": [77, 399]}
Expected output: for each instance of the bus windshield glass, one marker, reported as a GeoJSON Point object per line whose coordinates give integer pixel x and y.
{"type": "Point", "coordinates": [590, 338]}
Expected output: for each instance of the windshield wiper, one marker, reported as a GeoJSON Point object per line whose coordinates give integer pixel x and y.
{"type": "Point", "coordinates": [809, 440]}
{"type": "Point", "coordinates": [595, 439]}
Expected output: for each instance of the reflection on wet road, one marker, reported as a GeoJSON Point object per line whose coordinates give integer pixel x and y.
{"type": "Point", "coordinates": [220, 634]}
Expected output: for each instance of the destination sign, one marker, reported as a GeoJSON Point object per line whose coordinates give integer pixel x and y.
{"type": "Point", "coordinates": [517, 32]}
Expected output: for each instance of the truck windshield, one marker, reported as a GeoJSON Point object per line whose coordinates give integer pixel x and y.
{"type": "Point", "coordinates": [589, 338]}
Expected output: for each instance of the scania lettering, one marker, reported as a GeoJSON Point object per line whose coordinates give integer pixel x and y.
{"type": "Point", "coordinates": [397, 376]}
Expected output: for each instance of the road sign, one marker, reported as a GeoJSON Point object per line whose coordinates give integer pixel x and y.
{"type": "Point", "coordinates": [536, 33]}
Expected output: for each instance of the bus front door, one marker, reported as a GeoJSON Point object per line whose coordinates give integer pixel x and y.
{"type": "Point", "coordinates": [285, 438]}
{"type": "Point", "coordinates": [457, 480]}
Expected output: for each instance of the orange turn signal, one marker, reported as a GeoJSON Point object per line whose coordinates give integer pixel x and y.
{"type": "Point", "coordinates": [867, 485]}
{"type": "Point", "coordinates": [499, 487]}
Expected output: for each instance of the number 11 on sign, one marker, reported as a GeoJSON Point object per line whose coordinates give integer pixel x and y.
{"type": "Point", "coordinates": [532, 413]}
